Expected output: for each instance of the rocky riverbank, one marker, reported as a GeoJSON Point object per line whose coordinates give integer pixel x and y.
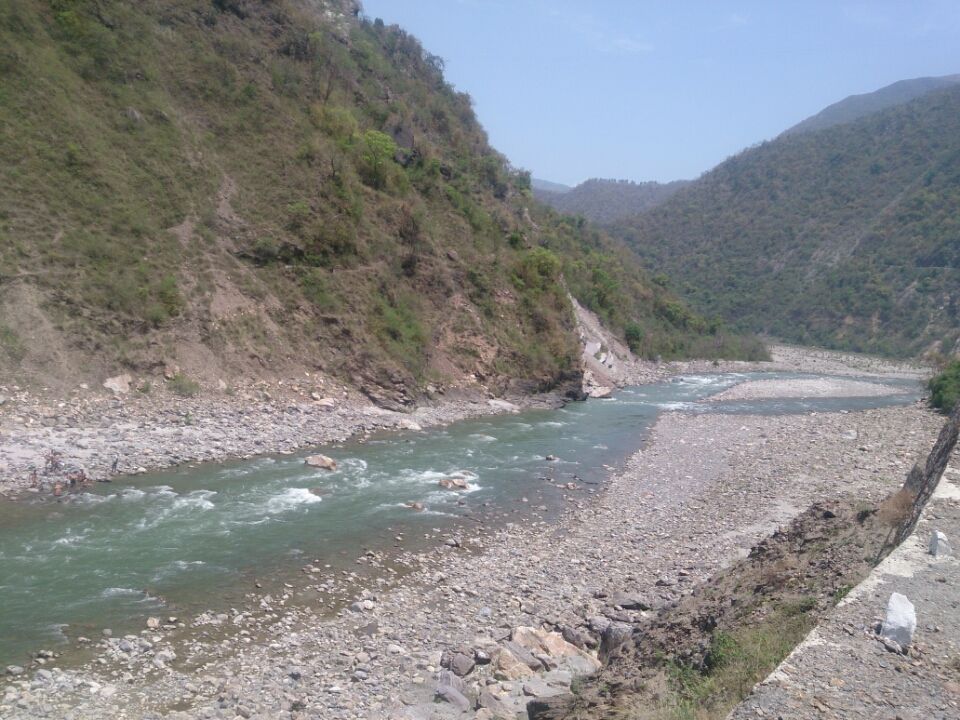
{"type": "Point", "coordinates": [703, 490]}
{"type": "Point", "coordinates": [153, 428]}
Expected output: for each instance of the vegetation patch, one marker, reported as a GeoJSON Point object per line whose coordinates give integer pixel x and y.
{"type": "Point", "coordinates": [945, 387]}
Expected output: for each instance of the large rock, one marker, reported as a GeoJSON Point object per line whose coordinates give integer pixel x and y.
{"type": "Point", "coordinates": [613, 636]}
{"type": "Point", "coordinates": [494, 706]}
{"type": "Point", "coordinates": [454, 697]}
{"type": "Point", "coordinates": [939, 545]}
{"type": "Point", "coordinates": [900, 622]}
{"type": "Point", "coordinates": [629, 601]}
{"type": "Point", "coordinates": [552, 649]}
{"type": "Point", "coordinates": [453, 483]}
{"type": "Point", "coordinates": [506, 666]}
{"type": "Point", "coordinates": [321, 461]}
{"type": "Point", "coordinates": [118, 384]}
{"type": "Point", "coordinates": [459, 663]}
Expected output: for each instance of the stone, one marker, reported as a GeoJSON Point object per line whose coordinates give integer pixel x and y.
{"type": "Point", "coordinates": [454, 697]}
{"type": "Point", "coordinates": [629, 601]}
{"type": "Point", "coordinates": [418, 506]}
{"type": "Point", "coordinates": [506, 666]}
{"type": "Point", "coordinates": [118, 384]}
{"type": "Point", "coordinates": [551, 458]}
{"type": "Point", "coordinates": [503, 405]}
{"type": "Point", "coordinates": [939, 546]}
{"type": "Point", "coordinates": [14, 670]}
{"type": "Point", "coordinates": [900, 622]}
{"type": "Point", "coordinates": [153, 623]}
{"type": "Point", "coordinates": [614, 635]}
{"type": "Point", "coordinates": [321, 461]}
{"type": "Point", "coordinates": [576, 636]}
{"type": "Point", "coordinates": [453, 483]}
{"type": "Point", "coordinates": [600, 392]}
{"type": "Point", "coordinates": [461, 664]}
{"type": "Point", "coordinates": [495, 706]}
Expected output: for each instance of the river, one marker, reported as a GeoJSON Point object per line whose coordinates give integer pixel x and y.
{"type": "Point", "coordinates": [182, 541]}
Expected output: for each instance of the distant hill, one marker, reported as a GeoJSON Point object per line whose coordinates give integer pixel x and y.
{"type": "Point", "coordinates": [847, 237]}
{"type": "Point", "coordinates": [858, 106]}
{"type": "Point", "coordinates": [604, 201]}
{"type": "Point", "coordinates": [549, 187]}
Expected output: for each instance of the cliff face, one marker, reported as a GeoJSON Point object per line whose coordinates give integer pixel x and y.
{"type": "Point", "coordinates": [242, 188]}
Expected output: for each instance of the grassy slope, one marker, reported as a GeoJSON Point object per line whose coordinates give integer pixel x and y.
{"type": "Point", "coordinates": [846, 237]}
{"type": "Point", "coordinates": [262, 187]}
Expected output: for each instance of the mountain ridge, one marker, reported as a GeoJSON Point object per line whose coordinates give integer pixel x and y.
{"type": "Point", "coordinates": [844, 237]}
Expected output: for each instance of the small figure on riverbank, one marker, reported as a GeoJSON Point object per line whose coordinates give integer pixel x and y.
{"type": "Point", "coordinates": [115, 465]}
{"type": "Point", "coordinates": [57, 489]}
{"type": "Point", "coordinates": [53, 461]}
{"type": "Point", "coordinates": [34, 478]}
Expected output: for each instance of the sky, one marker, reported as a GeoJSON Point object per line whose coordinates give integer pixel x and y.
{"type": "Point", "coordinates": [645, 90]}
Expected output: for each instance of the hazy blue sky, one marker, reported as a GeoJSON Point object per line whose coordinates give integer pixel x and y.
{"type": "Point", "coordinates": [664, 90]}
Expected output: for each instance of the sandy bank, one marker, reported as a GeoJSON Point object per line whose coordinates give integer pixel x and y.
{"type": "Point", "coordinates": [805, 388]}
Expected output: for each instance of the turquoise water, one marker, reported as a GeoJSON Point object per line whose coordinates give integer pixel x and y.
{"type": "Point", "coordinates": [193, 539]}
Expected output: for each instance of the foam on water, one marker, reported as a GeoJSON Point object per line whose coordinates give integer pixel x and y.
{"type": "Point", "coordinates": [291, 499]}
{"type": "Point", "coordinates": [198, 499]}
{"type": "Point", "coordinates": [480, 437]}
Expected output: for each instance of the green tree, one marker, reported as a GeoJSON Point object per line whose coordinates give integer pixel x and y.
{"type": "Point", "coordinates": [377, 150]}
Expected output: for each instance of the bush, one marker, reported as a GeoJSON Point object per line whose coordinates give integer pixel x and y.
{"type": "Point", "coordinates": [945, 387]}
{"type": "Point", "coordinates": [183, 386]}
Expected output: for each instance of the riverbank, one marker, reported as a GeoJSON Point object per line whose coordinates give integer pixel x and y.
{"type": "Point", "coordinates": [148, 431]}
{"type": "Point", "coordinates": [705, 488]}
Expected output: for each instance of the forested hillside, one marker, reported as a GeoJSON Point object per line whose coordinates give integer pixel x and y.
{"type": "Point", "coordinates": [859, 106]}
{"type": "Point", "coordinates": [604, 201]}
{"type": "Point", "coordinates": [848, 236]}
{"type": "Point", "coordinates": [263, 188]}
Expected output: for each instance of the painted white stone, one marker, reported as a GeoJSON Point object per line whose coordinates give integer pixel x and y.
{"type": "Point", "coordinates": [900, 622]}
{"type": "Point", "coordinates": [939, 545]}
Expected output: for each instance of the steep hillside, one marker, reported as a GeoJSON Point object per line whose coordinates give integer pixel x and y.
{"type": "Point", "coordinates": [848, 236]}
{"type": "Point", "coordinates": [605, 201]}
{"type": "Point", "coordinates": [858, 106]}
{"type": "Point", "coordinates": [243, 188]}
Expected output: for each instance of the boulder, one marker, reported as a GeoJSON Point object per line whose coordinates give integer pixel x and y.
{"type": "Point", "coordinates": [600, 392]}
{"type": "Point", "coordinates": [503, 406]}
{"type": "Point", "coordinates": [454, 697]}
{"type": "Point", "coordinates": [460, 664]}
{"type": "Point", "coordinates": [578, 637]}
{"type": "Point", "coordinates": [324, 403]}
{"type": "Point", "coordinates": [321, 461]}
{"type": "Point", "coordinates": [629, 601]}
{"type": "Point", "coordinates": [939, 545]}
{"type": "Point", "coordinates": [494, 706]}
{"type": "Point", "coordinates": [900, 622]}
{"type": "Point", "coordinates": [551, 650]}
{"type": "Point", "coordinates": [452, 690]}
{"type": "Point", "coordinates": [506, 666]}
{"type": "Point", "coordinates": [453, 483]}
{"type": "Point", "coordinates": [613, 635]}
{"type": "Point", "coordinates": [118, 384]}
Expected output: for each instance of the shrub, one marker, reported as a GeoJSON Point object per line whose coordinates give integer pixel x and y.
{"type": "Point", "coordinates": [945, 387]}
{"type": "Point", "coordinates": [183, 386]}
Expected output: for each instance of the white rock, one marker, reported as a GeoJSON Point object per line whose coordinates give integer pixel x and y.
{"type": "Point", "coordinates": [503, 405]}
{"type": "Point", "coordinates": [939, 545]}
{"type": "Point", "coordinates": [321, 461]}
{"type": "Point", "coordinates": [118, 384]}
{"type": "Point", "coordinates": [900, 622]}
